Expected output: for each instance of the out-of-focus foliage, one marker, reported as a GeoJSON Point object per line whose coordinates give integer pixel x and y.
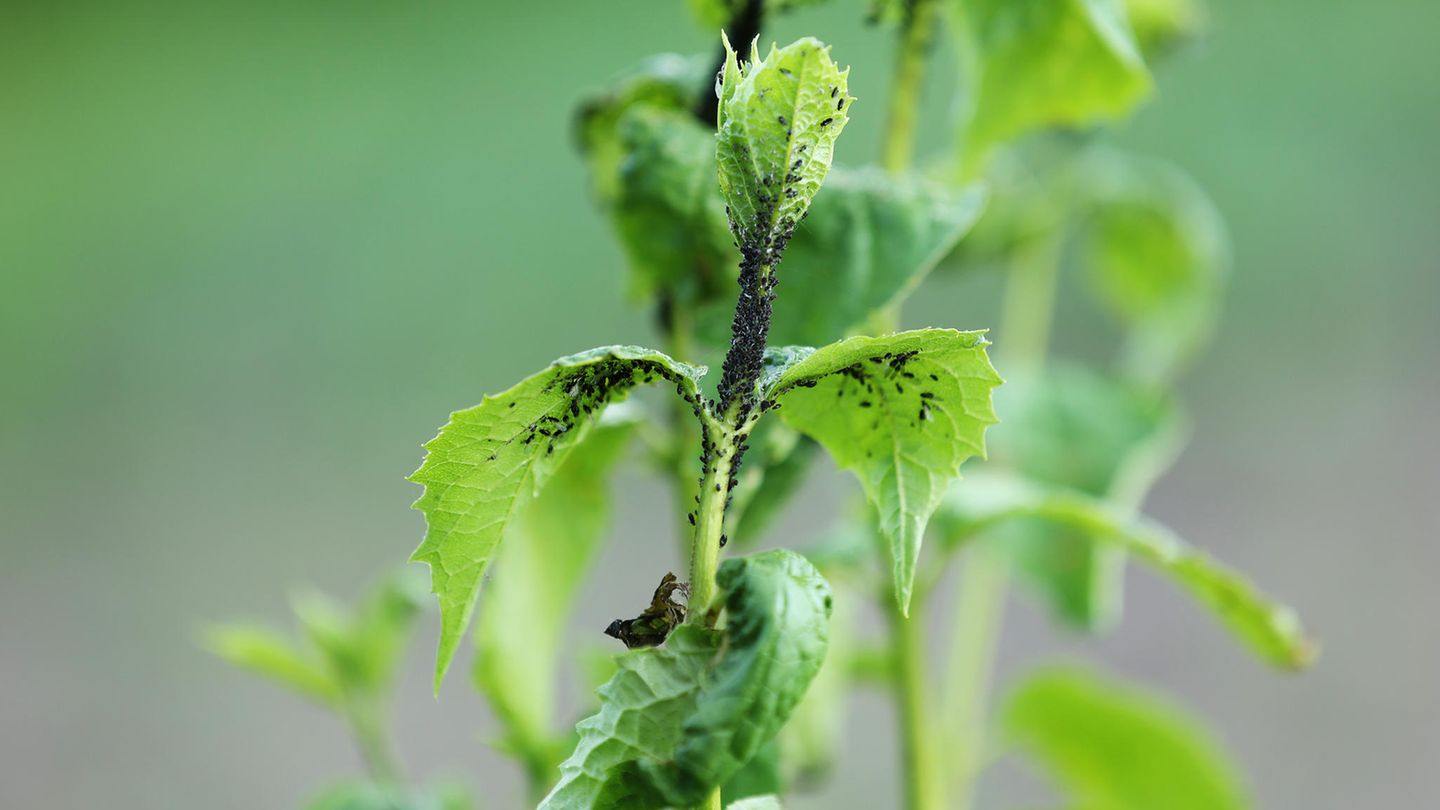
{"type": "Point", "coordinates": [1112, 746]}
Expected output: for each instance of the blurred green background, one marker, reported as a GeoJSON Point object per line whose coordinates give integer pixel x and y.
{"type": "Point", "coordinates": [251, 255]}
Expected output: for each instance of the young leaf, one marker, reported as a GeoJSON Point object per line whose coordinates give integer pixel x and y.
{"type": "Point", "coordinates": [778, 121]}
{"type": "Point", "coordinates": [1046, 63]}
{"type": "Point", "coordinates": [676, 721]}
{"type": "Point", "coordinates": [542, 564]}
{"type": "Point", "coordinates": [362, 648]}
{"type": "Point", "coordinates": [1074, 428]}
{"type": "Point", "coordinates": [901, 411]}
{"type": "Point", "coordinates": [1272, 631]}
{"type": "Point", "coordinates": [1156, 255]}
{"type": "Point", "coordinates": [1116, 747]}
{"type": "Point", "coordinates": [509, 444]}
{"type": "Point", "coordinates": [270, 654]}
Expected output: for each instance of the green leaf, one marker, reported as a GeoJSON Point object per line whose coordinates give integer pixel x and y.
{"type": "Point", "coordinates": [370, 796]}
{"type": "Point", "coordinates": [271, 655]}
{"type": "Point", "coordinates": [1271, 630]}
{"type": "Point", "coordinates": [758, 777]}
{"type": "Point", "coordinates": [1071, 427]}
{"type": "Point", "coordinates": [901, 411]}
{"type": "Point", "coordinates": [363, 648]}
{"type": "Point", "coordinates": [541, 566]}
{"type": "Point", "coordinates": [1048, 63]}
{"type": "Point", "coordinates": [668, 210]}
{"type": "Point", "coordinates": [1156, 254]}
{"type": "Point", "coordinates": [1116, 747]}
{"type": "Point", "coordinates": [678, 720]}
{"type": "Point", "coordinates": [811, 742]}
{"type": "Point", "coordinates": [486, 457]}
{"type": "Point", "coordinates": [778, 121]}
{"type": "Point", "coordinates": [871, 239]}
{"type": "Point", "coordinates": [664, 82]}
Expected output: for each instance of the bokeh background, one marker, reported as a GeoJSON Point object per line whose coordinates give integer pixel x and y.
{"type": "Point", "coordinates": [251, 254]}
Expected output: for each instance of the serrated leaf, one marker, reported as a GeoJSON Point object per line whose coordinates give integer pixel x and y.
{"type": "Point", "coordinates": [270, 654]}
{"type": "Point", "coordinates": [483, 460]}
{"type": "Point", "coordinates": [1113, 746]}
{"type": "Point", "coordinates": [1048, 63]}
{"type": "Point", "coordinates": [1271, 630]}
{"type": "Point", "coordinates": [902, 412]}
{"type": "Point", "coordinates": [1156, 255]}
{"type": "Point", "coordinates": [1072, 427]}
{"type": "Point", "coordinates": [778, 121]}
{"type": "Point", "coordinates": [541, 566]}
{"type": "Point", "coordinates": [678, 720]}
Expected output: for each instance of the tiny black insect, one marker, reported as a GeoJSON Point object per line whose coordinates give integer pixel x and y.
{"type": "Point", "coordinates": [723, 540]}
{"type": "Point", "coordinates": [826, 122]}
{"type": "Point", "coordinates": [691, 515]}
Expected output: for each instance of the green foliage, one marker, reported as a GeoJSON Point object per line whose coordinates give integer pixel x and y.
{"type": "Point", "coordinates": [1074, 428]}
{"type": "Point", "coordinates": [542, 564]}
{"type": "Point", "coordinates": [1047, 63]}
{"type": "Point", "coordinates": [679, 720]}
{"type": "Point", "coordinates": [756, 803]}
{"type": "Point", "coordinates": [778, 121]}
{"type": "Point", "coordinates": [1272, 631]}
{"type": "Point", "coordinates": [509, 445]}
{"type": "Point", "coordinates": [342, 655]}
{"type": "Point", "coordinates": [370, 796]}
{"type": "Point", "coordinates": [1115, 747]}
{"type": "Point", "coordinates": [1156, 255]}
{"type": "Point", "coordinates": [1161, 25]}
{"type": "Point", "coordinates": [902, 412]}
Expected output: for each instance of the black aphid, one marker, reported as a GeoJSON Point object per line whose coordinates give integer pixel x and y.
{"type": "Point", "coordinates": [826, 122]}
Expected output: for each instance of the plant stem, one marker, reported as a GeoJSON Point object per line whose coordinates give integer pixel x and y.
{"type": "Point", "coordinates": [985, 577]}
{"type": "Point", "coordinates": [980, 611]}
{"type": "Point", "coordinates": [373, 740]}
{"type": "Point", "coordinates": [897, 143]}
{"type": "Point", "coordinates": [921, 783]}
{"type": "Point", "coordinates": [710, 520]}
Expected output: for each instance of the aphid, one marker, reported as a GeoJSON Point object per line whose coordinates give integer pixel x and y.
{"type": "Point", "coordinates": [826, 122]}
{"type": "Point", "coordinates": [927, 395]}
{"type": "Point", "coordinates": [864, 403]}
{"type": "Point", "coordinates": [723, 540]}
{"type": "Point", "coordinates": [833, 91]}
{"type": "Point", "coordinates": [840, 105]}
{"type": "Point", "coordinates": [781, 119]}
{"type": "Point", "coordinates": [691, 516]}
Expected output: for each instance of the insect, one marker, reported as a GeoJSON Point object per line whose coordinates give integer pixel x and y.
{"type": "Point", "coordinates": [651, 627]}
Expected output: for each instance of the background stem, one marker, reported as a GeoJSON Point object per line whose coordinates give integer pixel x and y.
{"type": "Point", "coordinates": [373, 740]}
{"type": "Point", "coordinates": [1024, 338]}
{"type": "Point", "coordinates": [920, 779]}
{"type": "Point", "coordinates": [897, 142]}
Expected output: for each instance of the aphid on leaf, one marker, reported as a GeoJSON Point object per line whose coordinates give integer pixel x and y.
{"type": "Point", "coordinates": [651, 627]}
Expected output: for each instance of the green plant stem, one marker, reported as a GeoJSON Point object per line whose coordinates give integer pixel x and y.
{"type": "Point", "coordinates": [897, 143]}
{"type": "Point", "coordinates": [985, 576]}
{"type": "Point", "coordinates": [921, 783]}
{"type": "Point", "coordinates": [373, 739]}
{"type": "Point", "coordinates": [980, 612]}
{"type": "Point", "coordinates": [710, 521]}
